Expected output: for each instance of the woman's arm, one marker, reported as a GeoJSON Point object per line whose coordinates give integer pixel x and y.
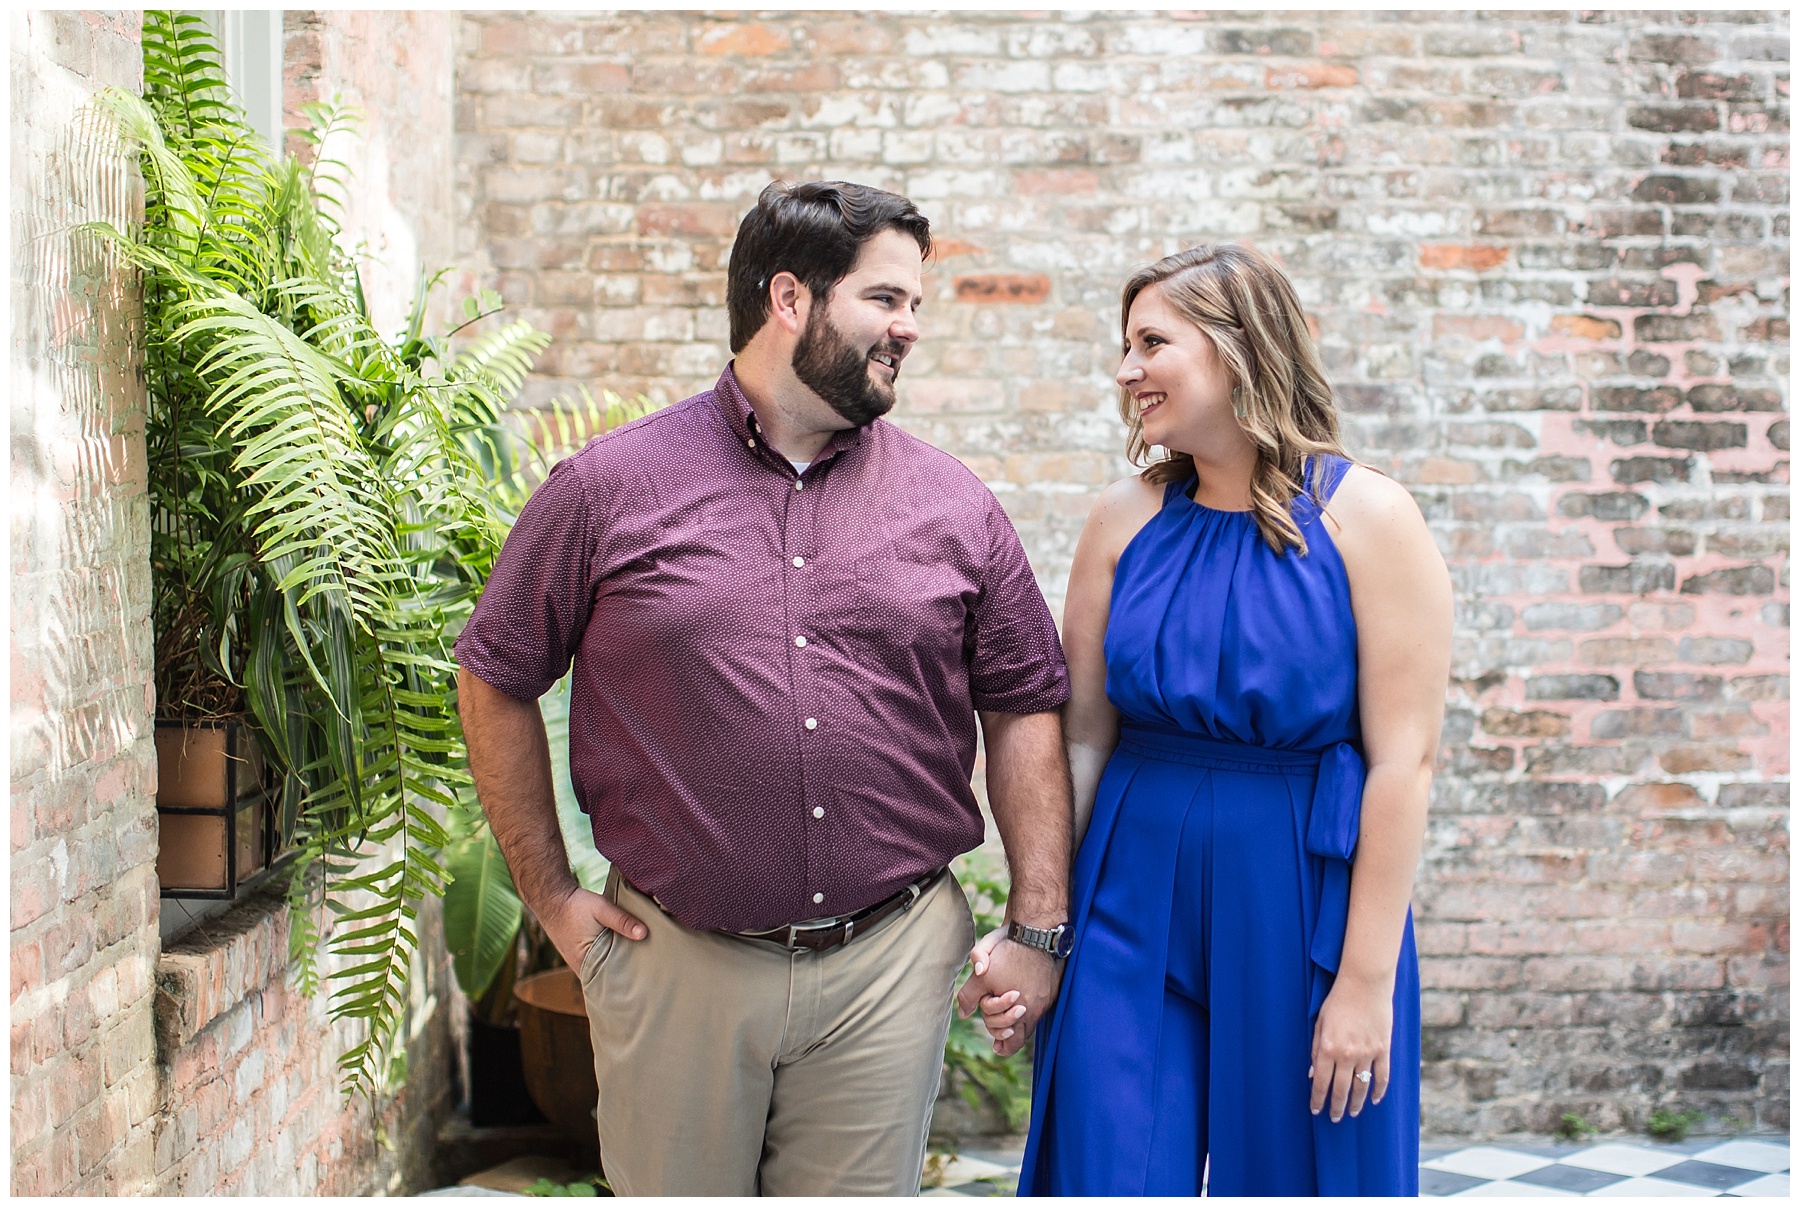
{"type": "Point", "coordinates": [1090, 723]}
{"type": "Point", "coordinates": [1400, 596]}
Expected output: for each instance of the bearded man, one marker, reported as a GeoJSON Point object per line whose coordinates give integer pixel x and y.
{"type": "Point", "coordinates": [784, 615]}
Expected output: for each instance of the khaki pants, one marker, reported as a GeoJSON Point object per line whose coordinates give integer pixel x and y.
{"type": "Point", "coordinates": [732, 1066]}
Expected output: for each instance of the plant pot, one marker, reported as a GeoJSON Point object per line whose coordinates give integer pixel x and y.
{"type": "Point", "coordinates": [214, 808]}
{"type": "Point", "coordinates": [559, 1052]}
{"type": "Point", "coordinates": [497, 1093]}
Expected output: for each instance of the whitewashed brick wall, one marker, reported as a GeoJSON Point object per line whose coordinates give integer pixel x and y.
{"type": "Point", "coordinates": [83, 764]}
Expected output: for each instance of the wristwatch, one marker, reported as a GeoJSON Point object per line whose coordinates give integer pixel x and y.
{"type": "Point", "coordinates": [1056, 942]}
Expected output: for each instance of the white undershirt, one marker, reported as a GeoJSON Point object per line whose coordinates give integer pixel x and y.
{"type": "Point", "coordinates": [799, 466]}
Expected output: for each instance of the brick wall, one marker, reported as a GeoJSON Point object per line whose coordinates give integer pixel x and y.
{"type": "Point", "coordinates": [1547, 254]}
{"type": "Point", "coordinates": [249, 1099]}
{"type": "Point", "coordinates": [398, 69]}
{"type": "Point", "coordinates": [83, 762]}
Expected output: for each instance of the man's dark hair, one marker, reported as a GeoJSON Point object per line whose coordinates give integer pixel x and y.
{"type": "Point", "coordinates": [813, 230]}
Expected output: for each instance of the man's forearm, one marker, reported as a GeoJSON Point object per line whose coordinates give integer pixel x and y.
{"type": "Point", "coordinates": [1028, 790]}
{"type": "Point", "coordinates": [509, 755]}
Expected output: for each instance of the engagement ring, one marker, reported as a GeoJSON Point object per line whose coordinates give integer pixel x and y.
{"type": "Point", "coordinates": [1364, 1076]}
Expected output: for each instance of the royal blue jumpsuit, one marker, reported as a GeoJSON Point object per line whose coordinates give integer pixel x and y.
{"type": "Point", "coordinates": [1212, 887]}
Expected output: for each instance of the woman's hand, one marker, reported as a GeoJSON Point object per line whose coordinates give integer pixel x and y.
{"type": "Point", "coordinates": [1353, 1035]}
{"type": "Point", "coordinates": [1000, 1014]}
{"type": "Point", "coordinates": [1009, 1014]}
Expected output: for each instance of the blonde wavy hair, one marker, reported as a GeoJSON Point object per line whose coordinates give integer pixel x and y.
{"type": "Point", "coordinates": [1248, 311]}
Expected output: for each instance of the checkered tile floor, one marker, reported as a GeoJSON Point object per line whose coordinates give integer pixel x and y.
{"type": "Point", "coordinates": [1702, 1168]}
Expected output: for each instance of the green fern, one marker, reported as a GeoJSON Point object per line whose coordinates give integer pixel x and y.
{"type": "Point", "coordinates": [326, 504]}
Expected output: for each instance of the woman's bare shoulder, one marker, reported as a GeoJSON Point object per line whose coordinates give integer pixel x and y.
{"type": "Point", "coordinates": [1368, 495]}
{"type": "Point", "coordinates": [1127, 502]}
{"type": "Point", "coordinates": [1374, 518]}
{"type": "Point", "coordinates": [1131, 494]}
{"type": "Point", "coordinates": [1122, 508]}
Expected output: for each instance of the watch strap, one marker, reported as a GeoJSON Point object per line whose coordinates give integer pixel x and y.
{"type": "Point", "coordinates": [1054, 941]}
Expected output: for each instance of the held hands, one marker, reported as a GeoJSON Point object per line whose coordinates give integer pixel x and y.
{"type": "Point", "coordinates": [1353, 1036]}
{"type": "Point", "coordinates": [1012, 985]}
{"type": "Point", "coordinates": [578, 918]}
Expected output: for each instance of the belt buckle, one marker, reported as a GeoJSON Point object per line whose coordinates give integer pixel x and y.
{"type": "Point", "coordinates": [795, 930]}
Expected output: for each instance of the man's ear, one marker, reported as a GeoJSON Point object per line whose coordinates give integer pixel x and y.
{"type": "Point", "coordinates": [789, 302]}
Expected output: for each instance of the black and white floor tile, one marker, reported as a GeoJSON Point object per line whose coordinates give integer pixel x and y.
{"type": "Point", "coordinates": [1700, 1168]}
{"type": "Point", "coordinates": [1703, 1168]}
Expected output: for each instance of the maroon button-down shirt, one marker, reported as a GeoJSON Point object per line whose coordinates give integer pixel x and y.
{"type": "Point", "coordinates": [775, 675]}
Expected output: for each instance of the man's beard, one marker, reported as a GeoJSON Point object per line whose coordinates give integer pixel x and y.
{"type": "Point", "coordinates": [826, 363]}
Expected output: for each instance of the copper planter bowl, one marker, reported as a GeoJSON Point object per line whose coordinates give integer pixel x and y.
{"type": "Point", "coordinates": [558, 1052]}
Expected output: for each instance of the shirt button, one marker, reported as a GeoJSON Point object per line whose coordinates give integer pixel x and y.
{"type": "Point", "coordinates": [750, 443]}
{"type": "Point", "coordinates": [818, 811]}
{"type": "Point", "coordinates": [798, 562]}
{"type": "Point", "coordinates": [800, 641]}
{"type": "Point", "coordinates": [812, 722]}
{"type": "Point", "coordinates": [799, 485]}
{"type": "Point", "coordinates": [818, 897]}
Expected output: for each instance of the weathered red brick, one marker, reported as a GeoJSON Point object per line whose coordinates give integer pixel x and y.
{"type": "Point", "coordinates": [1535, 724]}
{"type": "Point", "coordinates": [1477, 327]}
{"type": "Point", "coordinates": [1720, 937]}
{"type": "Point", "coordinates": [1054, 181]}
{"type": "Point", "coordinates": [1312, 75]}
{"type": "Point", "coordinates": [1734, 580]}
{"type": "Point", "coordinates": [1028, 288]}
{"type": "Point", "coordinates": [1627, 651]}
{"type": "Point", "coordinates": [698, 218]}
{"type": "Point", "coordinates": [1687, 759]}
{"type": "Point", "coordinates": [1637, 723]}
{"type": "Point", "coordinates": [1480, 973]}
{"type": "Point", "coordinates": [1583, 326]}
{"type": "Point", "coordinates": [741, 39]}
{"type": "Point", "coordinates": [1477, 257]}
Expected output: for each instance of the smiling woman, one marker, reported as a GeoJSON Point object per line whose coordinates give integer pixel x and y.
{"type": "Point", "coordinates": [1225, 331]}
{"type": "Point", "coordinates": [1258, 636]}
{"type": "Point", "coordinates": [1175, 385]}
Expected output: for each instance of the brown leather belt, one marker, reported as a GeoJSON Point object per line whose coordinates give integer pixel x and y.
{"type": "Point", "coordinates": [823, 936]}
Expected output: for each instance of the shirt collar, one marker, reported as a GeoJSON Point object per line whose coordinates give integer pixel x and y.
{"type": "Point", "coordinates": [741, 416]}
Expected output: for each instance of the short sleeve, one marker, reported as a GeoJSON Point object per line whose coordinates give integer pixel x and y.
{"type": "Point", "coordinates": [530, 619]}
{"type": "Point", "coordinates": [1017, 665]}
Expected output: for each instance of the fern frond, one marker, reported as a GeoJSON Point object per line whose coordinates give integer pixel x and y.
{"type": "Point", "coordinates": [322, 516]}
{"type": "Point", "coordinates": [501, 359]}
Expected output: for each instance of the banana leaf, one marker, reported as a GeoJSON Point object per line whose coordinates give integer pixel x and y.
{"type": "Point", "coordinates": [482, 911]}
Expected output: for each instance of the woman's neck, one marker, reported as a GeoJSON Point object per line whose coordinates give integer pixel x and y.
{"type": "Point", "coordinates": [1225, 468]}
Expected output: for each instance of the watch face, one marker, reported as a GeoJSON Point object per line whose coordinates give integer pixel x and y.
{"type": "Point", "coordinates": [1063, 940]}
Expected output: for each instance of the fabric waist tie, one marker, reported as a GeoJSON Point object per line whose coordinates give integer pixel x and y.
{"type": "Point", "coordinates": [1332, 826]}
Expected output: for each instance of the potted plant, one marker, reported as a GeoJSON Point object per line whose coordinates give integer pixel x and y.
{"type": "Point", "coordinates": [323, 514]}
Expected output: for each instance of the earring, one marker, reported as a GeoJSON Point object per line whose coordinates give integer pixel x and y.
{"type": "Point", "coordinates": [1237, 403]}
